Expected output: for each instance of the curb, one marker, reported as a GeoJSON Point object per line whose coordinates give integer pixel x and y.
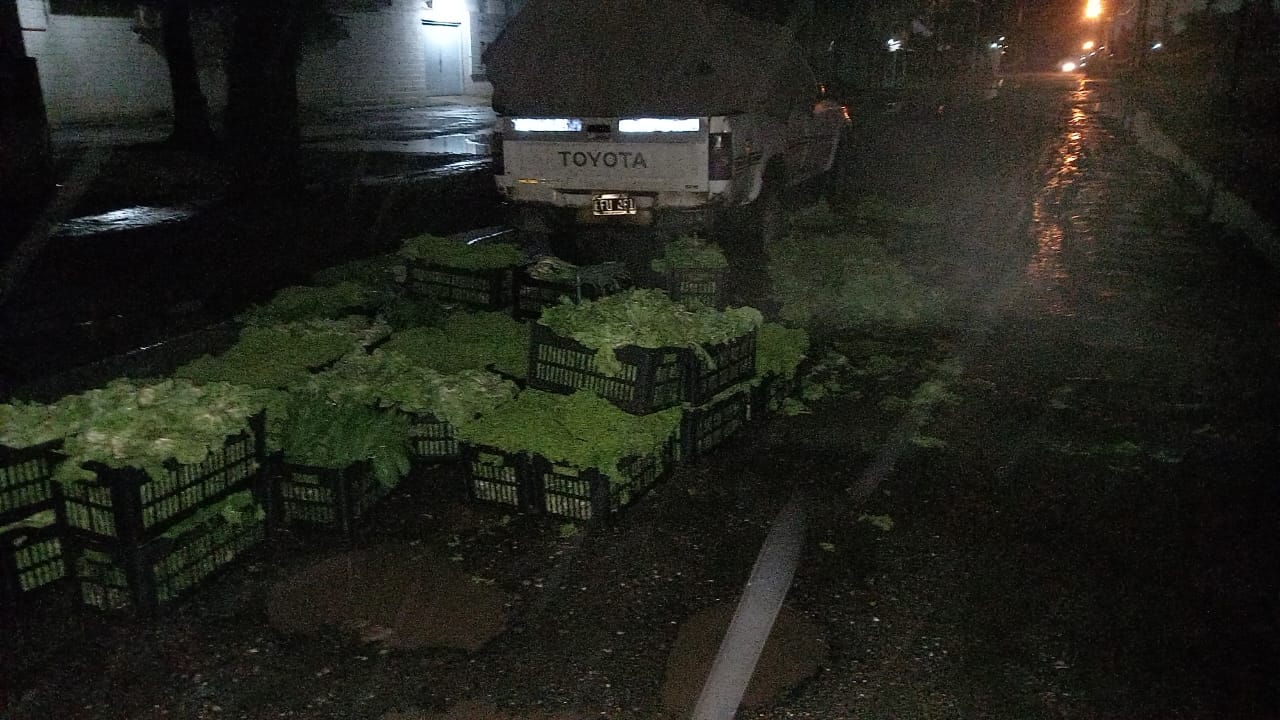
{"type": "Point", "coordinates": [1224, 207]}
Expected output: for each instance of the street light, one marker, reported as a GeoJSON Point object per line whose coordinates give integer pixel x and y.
{"type": "Point", "coordinates": [1093, 9]}
{"type": "Point", "coordinates": [1087, 45]}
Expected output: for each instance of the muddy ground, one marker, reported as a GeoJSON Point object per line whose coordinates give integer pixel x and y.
{"type": "Point", "coordinates": [1056, 501]}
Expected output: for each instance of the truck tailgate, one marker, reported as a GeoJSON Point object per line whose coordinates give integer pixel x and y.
{"type": "Point", "coordinates": [663, 164]}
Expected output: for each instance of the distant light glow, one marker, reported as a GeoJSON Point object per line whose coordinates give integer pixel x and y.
{"type": "Point", "coordinates": [1093, 9]}
{"type": "Point", "coordinates": [546, 124]}
{"type": "Point", "coordinates": [1088, 45]}
{"type": "Point", "coordinates": [1157, 46]}
{"type": "Point", "coordinates": [1068, 66]}
{"type": "Point", "coordinates": [644, 125]}
{"type": "Point", "coordinates": [894, 44]}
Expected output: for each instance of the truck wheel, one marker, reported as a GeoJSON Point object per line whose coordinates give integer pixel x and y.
{"type": "Point", "coordinates": [770, 221]}
{"type": "Point", "coordinates": [758, 228]}
{"type": "Point", "coordinates": [830, 183]}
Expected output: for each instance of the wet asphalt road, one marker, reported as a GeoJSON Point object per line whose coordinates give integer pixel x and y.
{"type": "Point", "coordinates": [1092, 538]}
{"type": "Point", "coordinates": [1097, 536]}
{"type": "Point", "coordinates": [124, 270]}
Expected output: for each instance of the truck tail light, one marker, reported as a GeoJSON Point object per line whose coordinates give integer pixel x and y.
{"type": "Point", "coordinates": [720, 156]}
{"type": "Point", "coordinates": [495, 152]}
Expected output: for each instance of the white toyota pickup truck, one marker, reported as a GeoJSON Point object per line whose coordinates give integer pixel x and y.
{"type": "Point", "coordinates": [671, 114]}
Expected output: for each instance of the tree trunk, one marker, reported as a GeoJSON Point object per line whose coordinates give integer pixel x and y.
{"type": "Point", "coordinates": [26, 155]}
{"type": "Point", "coordinates": [262, 92]}
{"type": "Point", "coordinates": [191, 128]}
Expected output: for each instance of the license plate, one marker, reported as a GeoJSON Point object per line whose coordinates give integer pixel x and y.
{"type": "Point", "coordinates": [613, 205]}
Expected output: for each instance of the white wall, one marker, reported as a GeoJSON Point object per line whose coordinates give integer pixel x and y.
{"type": "Point", "coordinates": [383, 60]}
{"type": "Point", "coordinates": [380, 61]}
{"type": "Point", "coordinates": [91, 67]}
{"type": "Point", "coordinates": [95, 69]}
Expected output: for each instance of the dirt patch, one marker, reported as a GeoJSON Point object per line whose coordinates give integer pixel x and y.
{"type": "Point", "coordinates": [401, 597]}
{"type": "Point", "coordinates": [794, 652]}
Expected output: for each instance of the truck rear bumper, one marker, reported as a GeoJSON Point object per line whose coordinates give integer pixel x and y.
{"type": "Point", "coordinates": [546, 208]}
{"type": "Point", "coordinates": [553, 218]}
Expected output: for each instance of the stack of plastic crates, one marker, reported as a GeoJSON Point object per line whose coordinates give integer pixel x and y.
{"type": "Point", "coordinates": [142, 542]}
{"type": "Point", "coordinates": [33, 556]}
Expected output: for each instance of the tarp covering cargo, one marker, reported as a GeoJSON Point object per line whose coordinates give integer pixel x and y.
{"type": "Point", "coordinates": [608, 58]}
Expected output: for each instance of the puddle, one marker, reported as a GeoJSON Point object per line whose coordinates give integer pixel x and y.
{"type": "Point", "coordinates": [397, 597]}
{"type": "Point", "coordinates": [460, 167]}
{"type": "Point", "coordinates": [132, 218]}
{"type": "Point", "coordinates": [463, 144]}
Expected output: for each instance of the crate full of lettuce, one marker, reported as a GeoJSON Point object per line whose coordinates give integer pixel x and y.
{"type": "Point", "coordinates": [337, 460]}
{"type": "Point", "coordinates": [33, 561]}
{"type": "Point", "coordinates": [30, 437]}
{"type": "Point", "coordinates": [643, 351]}
{"type": "Point", "coordinates": [468, 341]}
{"type": "Point", "coordinates": [549, 281]}
{"type": "Point", "coordinates": [573, 456]}
{"type": "Point", "coordinates": [477, 275]}
{"type": "Point", "coordinates": [282, 354]}
{"type": "Point", "coordinates": [185, 557]}
{"type": "Point", "coordinates": [780, 351]}
{"type": "Point", "coordinates": [434, 402]}
{"type": "Point", "coordinates": [693, 270]}
{"type": "Point", "coordinates": [705, 427]}
{"type": "Point", "coordinates": [142, 457]}
{"type": "Point", "coordinates": [320, 302]}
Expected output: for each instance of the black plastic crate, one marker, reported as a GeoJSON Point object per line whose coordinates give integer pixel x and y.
{"type": "Point", "coordinates": [772, 392]}
{"type": "Point", "coordinates": [697, 284]}
{"type": "Point", "coordinates": [33, 562]}
{"type": "Point", "coordinates": [499, 477]}
{"type": "Point", "coordinates": [705, 427]}
{"type": "Point", "coordinates": [148, 577]}
{"type": "Point", "coordinates": [25, 479]}
{"type": "Point", "coordinates": [325, 499]}
{"type": "Point", "coordinates": [130, 506]}
{"type": "Point", "coordinates": [590, 496]}
{"type": "Point", "coordinates": [480, 289]}
{"type": "Point", "coordinates": [530, 295]}
{"type": "Point", "coordinates": [732, 362]}
{"type": "Point", "coordinates": [431, 438]}
{"type": "Point", "coordinates": [651, 379]}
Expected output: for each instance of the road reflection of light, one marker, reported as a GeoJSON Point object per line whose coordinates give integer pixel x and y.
{"type": "Point", "coordinates": [1047, 269]}
{"type": "Point", "coordinates": [466, 144]}
{"type": "Point", "coordinates": [124, 219]}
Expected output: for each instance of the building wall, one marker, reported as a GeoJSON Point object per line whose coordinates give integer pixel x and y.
{"type": "Point", "coordinates": [94, 68]}
{"type": "Point", "coordinates": [384, 58]}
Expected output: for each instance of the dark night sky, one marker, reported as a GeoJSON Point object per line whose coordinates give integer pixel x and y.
{"type": "Point", "coordinates": [1044, 31]}
{"type": "Point", "coordinates": [1052, 29]}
